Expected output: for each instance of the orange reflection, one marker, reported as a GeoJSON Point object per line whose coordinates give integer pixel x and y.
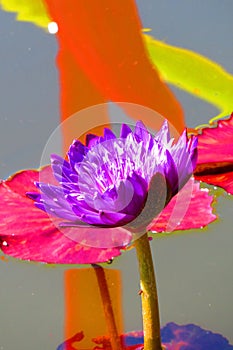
{"type": "Point", "coordinates": [86, 304]}
{"type": "Point", "coordinates": [102, 58]}
{"type": "Point", "coordinates": [77, 93]}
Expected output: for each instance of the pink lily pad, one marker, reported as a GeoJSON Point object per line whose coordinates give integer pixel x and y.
{"type": "Point", "coordinates": [224, 181]}
{"type": "Point", "coordinates": [28, 233]}
{"type": "Point", "coordinates": [190, 208]}
{"type": "Point", "coordinates": [215, 155]}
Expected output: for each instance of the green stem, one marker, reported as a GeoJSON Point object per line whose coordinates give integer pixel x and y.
{"type": "Point", "coordinates": [107, 305]}
{"type": "Point", "coordinates": [149, 297]}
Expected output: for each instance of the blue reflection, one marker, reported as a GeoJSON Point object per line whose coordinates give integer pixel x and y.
{"type": "Point", "coordinates": [177, 337]}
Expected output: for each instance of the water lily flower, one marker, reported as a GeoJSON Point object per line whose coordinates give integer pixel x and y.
{"type": "Point", "coordinates": [116, 181]}
{"type": "Point", "coordinates": [38, 236]}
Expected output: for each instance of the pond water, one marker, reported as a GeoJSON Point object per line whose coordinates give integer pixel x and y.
{"type": "Point", "coordinates": [194, 268]}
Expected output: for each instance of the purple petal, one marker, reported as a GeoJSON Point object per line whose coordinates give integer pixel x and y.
{"type": "Point", "coordinates": [125, 131]}
{"type": "Point", "coordinates": [190, 208]}
{"type": "Point", "coordinates": [91, 140]}
{"type": "Point", "coordinates": [61, 169]}
{"type": "Point", "coordinates": [142, 132]}
{"type": "Point", "coordinates": [108, 134]}
{"type": "Point", "coordinates": [155, 202]}
{"type": "Point", "coordinates": [76, 153]}
{"type": "Point", "coordinates": [34, 196]}
{"type": "Point", "coordinates": [163, 135]}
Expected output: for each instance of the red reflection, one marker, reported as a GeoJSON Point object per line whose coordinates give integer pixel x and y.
{"type": "Point", "coordinates": [102, 58]}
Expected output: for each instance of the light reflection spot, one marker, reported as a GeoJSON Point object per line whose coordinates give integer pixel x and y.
{"type": "Point", "coordinates": [52, 27]}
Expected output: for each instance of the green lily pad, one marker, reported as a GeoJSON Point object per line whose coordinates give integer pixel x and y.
{"type": "Point", "coordinates": [193, 73]}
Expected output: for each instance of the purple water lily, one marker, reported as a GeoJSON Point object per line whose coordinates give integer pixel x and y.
{"type": "Point", "coordinates": [115, 181]}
